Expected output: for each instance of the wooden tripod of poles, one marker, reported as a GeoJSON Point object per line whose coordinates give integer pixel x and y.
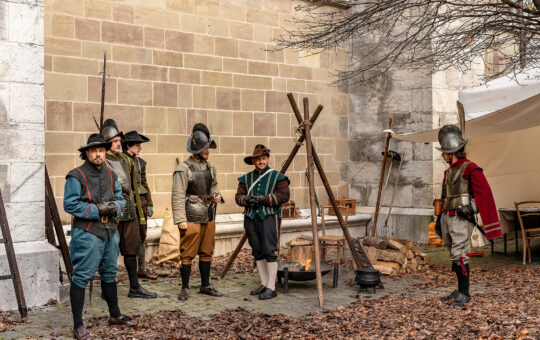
{"type": "Point", "coordinates": [357, 252]}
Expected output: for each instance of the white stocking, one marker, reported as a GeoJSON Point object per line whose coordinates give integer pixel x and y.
{"type": "Point", "coordinates": [272, 273]}
{"type": "Point", "coordinates": [263, 272]}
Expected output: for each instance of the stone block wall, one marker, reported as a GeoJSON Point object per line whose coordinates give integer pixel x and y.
{"type": "Point", "coordinates": [173, 63]}
{"type": "Point", "coordinates": [22, 153]}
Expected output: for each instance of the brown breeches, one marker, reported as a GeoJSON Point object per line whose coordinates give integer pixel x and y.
{"type": "Point", "coordinates": [198, 239]}
{"type": "Point", "coordinates": [130, 238]}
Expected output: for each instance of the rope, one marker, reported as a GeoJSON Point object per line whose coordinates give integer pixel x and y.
{"type": "Point", "coordinates": [361, 168]}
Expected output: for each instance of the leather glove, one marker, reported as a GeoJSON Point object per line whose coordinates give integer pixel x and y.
{"type": "Point", "coordinates": [255, 200]}
{"type": "Point", "coordinates": [107, 209]}
{"type": "Point", "coordinates": [468, 210]}
{"type": "Point", "coordinates": [438, 227]}
{"type": "Point", "coordinates": [149, 211]}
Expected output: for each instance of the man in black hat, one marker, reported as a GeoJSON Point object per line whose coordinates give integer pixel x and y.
{"type": "Point", "coordinates": [262, 192]}
{"type": "Point", "coordinates": [128, 228]}
{"type": "Point", "coordinates": [93, 195]}
{"type": "Point", "coordinates": [143, 198]}
{"type": "Point", "coordinates": [194, 198]}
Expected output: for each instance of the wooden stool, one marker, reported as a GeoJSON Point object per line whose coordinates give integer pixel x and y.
{"type": "Point", "coordinates": [337, 241]}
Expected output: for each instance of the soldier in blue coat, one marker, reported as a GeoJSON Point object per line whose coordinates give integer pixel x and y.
{"type": "Point", "coordinates": [93, 195]}
{"type": "Point", "coordinates": [262, 192]}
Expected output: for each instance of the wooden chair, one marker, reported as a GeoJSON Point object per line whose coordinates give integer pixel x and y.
{"type": "Point", "coordinates": [527, 234]}
{"type": "Point", "coordinates": [337, 241]}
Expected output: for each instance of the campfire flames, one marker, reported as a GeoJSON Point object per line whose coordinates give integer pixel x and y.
{"type": "Point", "coordinates": [307, 264]}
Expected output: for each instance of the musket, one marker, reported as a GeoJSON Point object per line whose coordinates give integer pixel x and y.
{"type": "Point", "coordinates": [103, 80]}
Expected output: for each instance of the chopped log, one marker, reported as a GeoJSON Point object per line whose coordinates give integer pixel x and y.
{"type": "Point", "coordinates": [391, 256]}
{"type": "Point", "coordinates": [397, 246]}
{"type": "Point", "coordinates": [407, 243]}
{"type": "Point", "coordinates": [413, 264]}
{"type": "Point", "coordinates": [375, 242]}
{"type": "Point", "coordinates": [404, 264]}
{"type": "Point", "coordinates": [385, 270]}
{"type": "Point", "coordinates": [416, 251]}
{"type": "Point", "coordinates": [300, 251]}
{"type": "Point", "coordinates": [425, 257]}
{"type": "Point", "coordinates": [410, 254]}
{"type": "Point", "coordinates": [371, 253]}
{"type": "Point", "coordinates": [392, 265]}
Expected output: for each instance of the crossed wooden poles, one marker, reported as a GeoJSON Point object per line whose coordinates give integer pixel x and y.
{"type": "Point", "coordinates": [306, 124]}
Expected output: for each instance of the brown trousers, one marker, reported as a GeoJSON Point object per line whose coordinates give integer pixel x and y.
{"type": "Point", "coordinates": [198, 239]}
{"type": "Point", "coordinates": [130, 237]}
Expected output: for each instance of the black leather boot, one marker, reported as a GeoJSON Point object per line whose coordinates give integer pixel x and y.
{"type": "Point", "coordinates": [463, 296]}
{"type": "Point", "coordinates": [455, 293]}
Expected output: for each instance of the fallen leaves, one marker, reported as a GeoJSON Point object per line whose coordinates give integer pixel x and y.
{"type": "Point", "coordinates": [506, 306]}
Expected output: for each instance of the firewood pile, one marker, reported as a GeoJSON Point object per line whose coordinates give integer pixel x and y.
{"type": "Point", "coordinates": [392, 255]}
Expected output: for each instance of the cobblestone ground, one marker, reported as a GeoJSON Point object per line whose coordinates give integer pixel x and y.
{"type": "Point", "coordinates": [55, 321]}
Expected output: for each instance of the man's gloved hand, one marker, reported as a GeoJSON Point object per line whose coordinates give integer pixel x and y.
{"type": "Point", "coordinates": [468, 210]}
{"type": "Point", "coordinates": [255, 200]}
{"type": "Point", "coordinates": [107, 209]}
{"type": "Point", "coordinates": [149, 211]}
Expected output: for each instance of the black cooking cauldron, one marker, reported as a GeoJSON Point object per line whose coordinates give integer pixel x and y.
{"type": "Point", "coordinates": [367, 278]}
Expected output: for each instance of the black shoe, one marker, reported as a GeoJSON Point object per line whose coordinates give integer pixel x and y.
{"type": "Point", "coordinates": [267, 294]}
{"type": "Point", "coordinates": [122, 320]}
{"type": "Point", "coordinates": [258, 290]}
{"type": "Point", "coordinates": [460, 300]}
{"type": "Point", "coordinates": [452, 296]}
{"type": "Point", "coordinates": [141, 293]}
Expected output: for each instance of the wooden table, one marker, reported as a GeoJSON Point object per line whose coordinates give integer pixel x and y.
{"type": "Point", "coordinates": [510, 223]}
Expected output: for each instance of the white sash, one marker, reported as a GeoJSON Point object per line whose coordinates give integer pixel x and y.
{"type": "Point", "coordinates": [258, 179]}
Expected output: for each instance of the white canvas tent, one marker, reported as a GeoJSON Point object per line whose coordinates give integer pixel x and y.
{"type": "Point", "coordinates": [503, 129]}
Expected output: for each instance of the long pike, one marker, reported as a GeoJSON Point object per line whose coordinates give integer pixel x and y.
{"type": "Point", "coordinates": [103, 80]}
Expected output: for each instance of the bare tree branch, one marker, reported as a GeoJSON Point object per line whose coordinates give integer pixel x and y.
{"type": "Point", "coordinates": [414, 34]}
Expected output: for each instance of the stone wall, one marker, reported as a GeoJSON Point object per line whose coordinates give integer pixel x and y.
{"type": "Point", "coordinates": [176, 62]}
{"type": "Point", "coordinates": [22, 157]}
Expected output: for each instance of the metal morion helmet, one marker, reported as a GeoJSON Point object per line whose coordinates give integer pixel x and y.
{"type": "Point", "coordinates": [110, 130]}
{"type": "Point", "coordinates": [450, 139]}
{"type": "Point", "coordinates": [199, 139]}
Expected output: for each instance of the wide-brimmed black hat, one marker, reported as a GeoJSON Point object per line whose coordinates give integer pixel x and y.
{"type": "Point", "coordinates": [135, 137]}
{"type": "Point", "coordinates": [199, 139]}
{"type": "Point", "coordinates": [260, 150]}
{"type": "Point", "coordinates": [95, 141]}
{"type": "Point", "coordinates": [111, 130]}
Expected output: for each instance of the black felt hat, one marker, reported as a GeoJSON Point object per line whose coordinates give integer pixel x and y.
{"type": "Point", "coordinates": [135, 137]}
{"type": "Point", "coordinates": [95, 141]}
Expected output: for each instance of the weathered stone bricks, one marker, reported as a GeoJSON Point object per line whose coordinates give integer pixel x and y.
{"type": "Point", "coordinates": [206, 7]}
{"type": "Point", "coordinates": [192, 23]}
{"type": "Point", "coordinates": [180, 5]}
{"type": "Point", "coordinates": [220, 122]}
{"type": "Point", "coordinates": [262, 17]}
{"type": "Point", "coordinates": [86, 29]}
{"type": "Point", "coordinates": [178, 41]}
{"type": "Point", "coordinates": [241, 30]}
{"type": "Point", "coordinates": [168, 58]}
{"type": "Point", "coordinates": [195, 116]}
{"type": "Point", "coordinates": [94, 89]}
{"type": "Point", "coordinates": [134, 92]}
{"type": "Point", "coordinates": [75, 65]}
{"type": "Point", "coordinates": [301, 72]}
{"type": "Point", "coordinates": [63, 142]}
{"type": "Point", "coordinates": [226, 47]}
{"type": "Point", "coordinates": [203, 44]}
{"type": "Point", "coordinates": [227, 98]}
{"type": "Point", "coordinates": [132, 54]}
{"type": "Point", "coordinates": [234, 65]}
{"type": "Point", "coordinates": [157, 17]}
{"type": "Point", "coordinates": [171, 143]}
{"type": "Point", "coordinates": [179, 75]}
{"type": "Point", "coordinates": [58, 46]}
{"type": "Point", "coordinates": [155, 120]}
{"type": "Point", "coordinates": [62, 26]}
{"type": "Point", "coordinates": [122, 33]}
{"type": "Point", "coordinates": [277, 102]}
{"type": "Point", "coordinates": [204, 97]}
{"type": "Point", "coordinates": [230, 145]}
{"type": "Point", "coordinates": [147, 72]}
{"type": "Point", "coordinates": [58, 116]}
{"type": "Point", "coordinates": [262, 68]}
{"type": "Point", "coordinates": [123, 13]}
{"type": "Point", "coordinates": [94, 50]}
{"type": "Point", "coordinates": [251, 50]}
{"type": "Point", "coordinates": [176, 121]}
{"type": "Point", "coordinates": [98, 9]}
{"type": "Point", "coordinates": [154, 37]}
{"type": "Point", "coordinates": [252, 82]}
{"type": "Point", "coordinates": [217, 79]}
{"type": "Point", "coordinates": [165, 94]}
{"type": "Point", "coordinates": [128, 117]}
{"type": "Point", "coordinates": [264, 124]}
{"type": "Point", "coordinates": [59, 165]}
{"type": "Point", "coordinates": [203, 62]}
{"type": "Point", "coordinates": [83, 114]}
{"type": "Point", "coordinates": [243, 124]}
{"type": "Point", "coordinates": [65, 87]}
{"type": "Point", "coordinates": [252, 100]}
{"type": "Point", "coordinates": [185, 95]}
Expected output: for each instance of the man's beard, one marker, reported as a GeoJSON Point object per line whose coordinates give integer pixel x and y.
{"type": "Point", "coordinates": [97, 161]}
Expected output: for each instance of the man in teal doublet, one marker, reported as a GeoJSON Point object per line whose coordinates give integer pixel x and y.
{"type": "Point", "coordinates": [262, 192]}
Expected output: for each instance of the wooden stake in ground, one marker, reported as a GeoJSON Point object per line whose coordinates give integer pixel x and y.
{"type": "Point", "coordinates": [309, 152]}
{"type": "Point", "coordinates": [376, 216]}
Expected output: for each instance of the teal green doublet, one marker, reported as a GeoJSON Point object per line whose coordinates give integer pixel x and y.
{"type": "Point", "coordinates": [266, 186]}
